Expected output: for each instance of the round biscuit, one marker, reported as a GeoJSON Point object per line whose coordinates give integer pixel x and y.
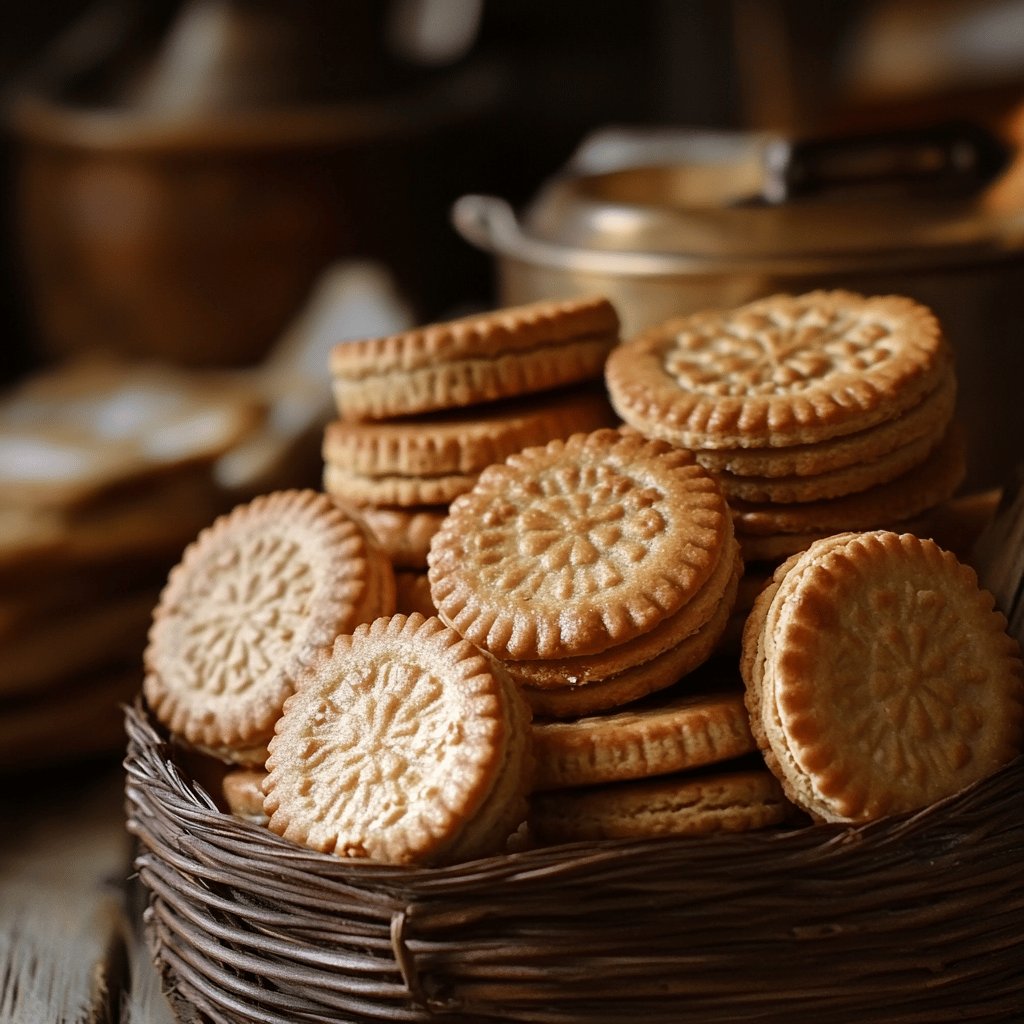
{"type": "Point", "coordinates": [674, 732]}
{"type": "Point", "coordinates": [784, 370]}
{"type": "Point", "coordinates": [880, 678]}
{"type": "Point", "coordinates": [928, 418]}
{"type": "Point", "coordinates": [405, 533]}
{"type": "Point", "coordinates": [255, 598]}
{"type": "Point", "coordinates": [463, 441]}
{"type": "Point", "coordinates": [923, 487]}
{"type": "Point", "coordinates": [684, 804]}
{"type": "Point", "coordinates": [639, 680]}
{"type": "Point", "coordinates": [572, 548]}
{"type": "Point", "coordinates": [561, 672]}
{"type": "Point", "coordinates": [834, 483]}
{"type": "Point", "coordinates": [396, 744]}
{"type": "Point", "coordinates": [242, 791]}
{"type": "Point", "coordinates": [476, 359]}
{"type": "Point", "coordinates": [403, 491]}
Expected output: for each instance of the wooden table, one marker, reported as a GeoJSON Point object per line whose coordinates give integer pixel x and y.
{"type": "Point", "coordinates": [69, 943]}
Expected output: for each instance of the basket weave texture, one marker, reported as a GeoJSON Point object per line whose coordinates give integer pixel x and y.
{"type": "Point", "coordinates": [912, 919]}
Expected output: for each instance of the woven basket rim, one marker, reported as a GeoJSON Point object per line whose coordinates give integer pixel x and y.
{"type": "Point", "coordinates": [826, 920]}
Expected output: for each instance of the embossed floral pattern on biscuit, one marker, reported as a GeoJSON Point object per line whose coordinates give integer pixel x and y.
{"type": "Point", "coordinates": [389, 744]}
{"type": "Point", "coordinates": [776, 352]}
{"type": "Point", "coordinates": [251, 610]}
{"type": "Point", "coordinates": [918, 669]}
{"type": "Point", "coordinates": [401, 717]}
{"type": "Point", "coordinates": [561, 550]}
{"type": "Point", "coordinates": [582, 531]}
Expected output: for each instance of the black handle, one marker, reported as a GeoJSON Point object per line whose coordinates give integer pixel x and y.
{"type": "Point", "coordinates": [953, 159]}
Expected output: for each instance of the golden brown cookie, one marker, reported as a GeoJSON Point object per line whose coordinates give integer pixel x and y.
{"type": "Point", "coordinates": [638, 680]}
{"type": "Point", "coordinates": [558, 673]}
{"type": "Point", "coordinates": [463, 441]}
{"type": "Point", "coordinates": [572, 548]}
{"type": "Point", "coordinates": [255, 598]}
{"type": "Point", "coordinates": [879, 677]}
{"type": "Point", "coordinates": [405, 744]}
{"type": "Point", "coordinates": [785, 370]}
{"type": "Point", "coordinates": [673, 732]}
{"type": "Point", "coordinates": [929, 418]}
{"type": "Point", "coordinates": [684, 804]}
{"type": "Point", "coordinates": [926, 485]}
{"type": "Point", "coordinates": [242, 791]}
{"type": "Point", "coordinates": [403, 491]}
{"type": "Point", "coordinates": [835, 483]}
{"type": "Point", "coordinates": [405, 533]}
{"type": "Point", "coordinates": [482, 358]}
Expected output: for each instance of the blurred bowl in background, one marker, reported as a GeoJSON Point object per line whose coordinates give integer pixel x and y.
{"type": "Point", "coordinates": [176, 201]}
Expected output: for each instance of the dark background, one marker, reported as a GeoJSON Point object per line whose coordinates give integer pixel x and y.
{"type": "Point", "coordinates": [552, 73]}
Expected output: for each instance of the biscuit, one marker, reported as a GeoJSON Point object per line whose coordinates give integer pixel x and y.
{"type": "Point", "coordinates": [926, 485]}
{"type": "Point", "coordinates": [463, 441]}
{"type": "Point", "coordinates": [574, 547]}
{"type": "Point", "coordinates": [929, 418]}
{"type": "Point", "coordinates": [828, 484]}
{"type": "Point", "coordinates": [784, 370]}
{"type": "Point", "coordinates": [639, 680]}
{"type": "Point", "coordinates": [255, 598]}
{"type": "Point", "coordinates": [403, 491]}
{"type": "Point", "coordinates": [241, 789]}
{"type": "Point", "coordinates": [676, 731]}
{"type": "Point", "coordinates": [561, 672]}
{"type": "Point", "coordinates": [405, 744]}
{"type": "Point", "coordinates": [879, 677]}
{"type": "Point", "coordinates": [684, 804]}
{"type": "Point", "coordinates": [482, 358]}
{"type": "Point", "coordinates": [405, 533]}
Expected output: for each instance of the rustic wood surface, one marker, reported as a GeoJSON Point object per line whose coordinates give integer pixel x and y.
{"type": "Point", "coordinates": [68, 945]}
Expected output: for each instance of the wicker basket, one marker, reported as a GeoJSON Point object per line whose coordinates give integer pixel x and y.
{"type": "Point", "coordinates": [912, 919]}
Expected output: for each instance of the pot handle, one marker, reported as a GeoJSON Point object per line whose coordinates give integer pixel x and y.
{"type": "Point", "coordinates": [491, 224]}
{"type": "Point", "coordinates": [486, 221]}
{"type": "Point", "coordinates": [954, 159]}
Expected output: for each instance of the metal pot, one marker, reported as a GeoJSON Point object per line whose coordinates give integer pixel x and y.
{"type": "Point", "coordinates": [670, 223]}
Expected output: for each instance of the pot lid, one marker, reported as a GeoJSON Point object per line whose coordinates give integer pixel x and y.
{"type": "Point", "coordinates": [720, 195]}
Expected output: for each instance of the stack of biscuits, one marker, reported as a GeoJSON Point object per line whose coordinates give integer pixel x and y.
{"type": "Point", "coordinates": [598, 571]}
{"type": "Point", "coordinates": [817, 413]}
{"type": "Point", "coordinates": [423, 412]}
{"type": "Point", "coordinates": [106, 472]}
{"type": "Point", "coordinates": [568, 668]}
